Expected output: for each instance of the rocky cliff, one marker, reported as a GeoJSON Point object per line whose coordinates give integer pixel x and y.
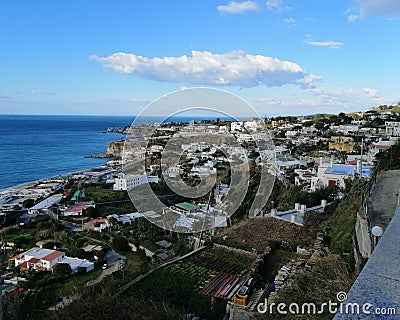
{"type": "Point", "coordinates": [115, 148]}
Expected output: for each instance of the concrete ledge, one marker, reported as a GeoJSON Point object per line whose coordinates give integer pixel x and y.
{"type": "Point", "coordinates": [379, 282]}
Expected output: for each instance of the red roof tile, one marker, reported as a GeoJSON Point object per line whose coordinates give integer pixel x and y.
{"type": "Point", "coordinates": [15, 257]}
{"type": "Point", "coordinates": [33, 260]}
{"type": "Point", "coordinates": [222, 285]}
{"type": "Point", "coordinates": [14, 292]}
{"type": "Point", "coordinates": [96, 221]}
{"type": "Point", "coordinates": [53, 255]}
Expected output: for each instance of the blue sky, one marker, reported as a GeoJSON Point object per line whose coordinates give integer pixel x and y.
{"type": "Point", "coordinates": [282, 56]}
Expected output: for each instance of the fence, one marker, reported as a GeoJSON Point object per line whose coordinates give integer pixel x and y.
{"type": "Point", "coordinates": [366, 209]}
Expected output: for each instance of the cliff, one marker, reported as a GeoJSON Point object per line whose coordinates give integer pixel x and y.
{"type": "Point", "coordinates": [115, 148]}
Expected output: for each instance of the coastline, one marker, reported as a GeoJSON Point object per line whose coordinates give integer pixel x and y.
{"type": "Point", "coordinates": [41, 180]}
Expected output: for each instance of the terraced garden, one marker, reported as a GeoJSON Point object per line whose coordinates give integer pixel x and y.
{"type": "Point", "coordinates": [192, 273]}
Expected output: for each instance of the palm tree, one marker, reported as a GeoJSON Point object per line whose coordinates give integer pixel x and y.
{"type": "Point", "coordinates": [343, 157]}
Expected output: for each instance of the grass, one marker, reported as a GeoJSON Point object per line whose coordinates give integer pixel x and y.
{"type": "Point", "coordinates": [343, 222]}
{"type": "Point", "coordinates": [330, 275]}
{"type": "Point", "coordinates": [72, 286]}
{"type": "Point", "coordinates": [230, 256]}
{"type": "Point", "coordinates": [99, 194]}
{"type": "Point", "coordinates": [196, 275]}
{"type": "Point", "coordinates": [167, 286]}
{"type": "Point", "coordinates": [287, 255]}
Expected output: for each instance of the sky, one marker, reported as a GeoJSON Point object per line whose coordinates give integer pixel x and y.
{"type": "Point", "coordinates": [284, 57]}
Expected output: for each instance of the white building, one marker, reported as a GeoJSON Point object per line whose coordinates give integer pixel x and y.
{"type": "Point", "coordinates": [156, 148]}
{"type": "Point", "coordinates": [291, 133]}
{"type": "Point", "coordinates": [303, 177]}
{"type": "Point", "coordinates": [358, 122]}
{"type": "Point", "coordinates": [45, 204]}
{"type": "Point", "coordinates": [77, 210]}
{"type": "Point", "coordinates": [173, 171]}
{"type": "Point", "coordinates": [336, 174]}
{"type": "Point", "coordinates": [380, 146]}
{"type": "Point", "coordinates": [392, 128]}
{"type": "Point", "coordinates": [97, 225]}
{"type": "Point", "coordinates": [253, 125]}
{"type": "Point", "coordinates": [244, 137]}
{"type": "Point", "coordinates": [203, 171]}
{"type": "Point", "coordinates": [237, 126]}
{"type": "Point", "coordinates": [46, 259]}
{"type": "Point", "coordinates": [129, 182]}
{"type": "Point", "coordinates": [345, 129]}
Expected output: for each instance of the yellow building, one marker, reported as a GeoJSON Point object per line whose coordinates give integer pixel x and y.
{"type": "Point", "coordinates": [340, 143]}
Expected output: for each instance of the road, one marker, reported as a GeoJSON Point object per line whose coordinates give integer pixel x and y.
{"type": "Point", "coordinates": [384, 198]}
{"type": "Point", "coordinates": [111, 256]}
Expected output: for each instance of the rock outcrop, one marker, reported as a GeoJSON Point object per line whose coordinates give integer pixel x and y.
{"type": "Point", "coordinates": [115, 148]}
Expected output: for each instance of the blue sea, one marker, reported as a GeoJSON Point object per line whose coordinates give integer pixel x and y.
{"type": "Point", "coordinates": [39, 146]}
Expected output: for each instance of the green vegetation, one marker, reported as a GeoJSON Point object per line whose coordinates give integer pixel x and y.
{"type": "Point", "coordinates": [99, 194]}
{"type": "Point", "coordinates": [47, 289]}
{"type": "Point", "coordinates": [285, 195]}
{"type": "Point", "coordinates": [92, 306]}
{"type": "Point", "coordinates": [390, 159]}
{"type": "Point", "coordinates": [121, 244]}
{"type": "Point", "coordinates": [343, 220]}
{"type": "Point", "coordinates": [330, 275]}
{"type": "Point", "coordinates": [178, 284]}
{"type": "Point", "coordinates": [62, 269]}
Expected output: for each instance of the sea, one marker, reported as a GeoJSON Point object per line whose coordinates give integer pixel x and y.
{"type": "Point", "coordinates": [34, 147]}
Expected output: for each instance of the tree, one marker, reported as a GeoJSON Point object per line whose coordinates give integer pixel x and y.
{"type": "Point", "coordinates": [121, 244]}
{"type": "Point", "coordinates": [28, 203]}
{"type": "Point", "coordinates": [62, 269]}
{"type": "Point", "coordinates": [92, 212]}
{"type": "Point", "coordinates": [343, 156]}
{"type": "Point", "coordinates": [319, 125]}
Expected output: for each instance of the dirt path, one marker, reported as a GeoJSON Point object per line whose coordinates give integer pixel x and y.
{"type": "Point", "coordinates": [384, 198]}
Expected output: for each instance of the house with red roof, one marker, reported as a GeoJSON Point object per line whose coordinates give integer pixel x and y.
{"type": "Point", "coordinates": [78, 209]}
{"type": "Point", "coordinates": [46, 259]}
{"type": "Point", "coordinates": [380, 146]}
{"type": "Point", "coordinates": [97, 224]}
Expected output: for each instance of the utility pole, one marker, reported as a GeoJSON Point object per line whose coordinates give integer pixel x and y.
{"type": "Point", "coordinates": [208, 210]}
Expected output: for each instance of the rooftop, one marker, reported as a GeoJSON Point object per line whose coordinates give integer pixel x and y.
{"type": "Point", "coordinates": [347, 169]}
{"type": "Point", "coordinates": [54, 255]}
{"type": "Point", "coordinates": [38, 253]}
{"type": "Point", "coordinates": [187, 206]}
{"type": "Point", "coordinates": [222, 286]}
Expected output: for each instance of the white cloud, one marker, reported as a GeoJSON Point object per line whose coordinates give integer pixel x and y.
{"type": "Point", "coordinates": [235, 68]}
{"type": "Point", "coordinates": [371, 92]}
{"type": "Point", "coordinates": [386, 8]}
{"type": "Point", "coordinates": [330, 100]}
{"type": "Point", "coordinates": [331, 44]}
{"type": "Point", "coordinates": [308, 82]}
{"type": "Point", "coordinates": [45, 92]}
{"type": "Point", "coordinates": [277, 5]}
{"type": "Point", "coordinates": [238, 7]}
{"type": "Point", "coordinates": [352, 17]}
{"type": "Point", "coordinates": [291, 22]}
{"type": "Point", "coordinates": [2, 97]}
